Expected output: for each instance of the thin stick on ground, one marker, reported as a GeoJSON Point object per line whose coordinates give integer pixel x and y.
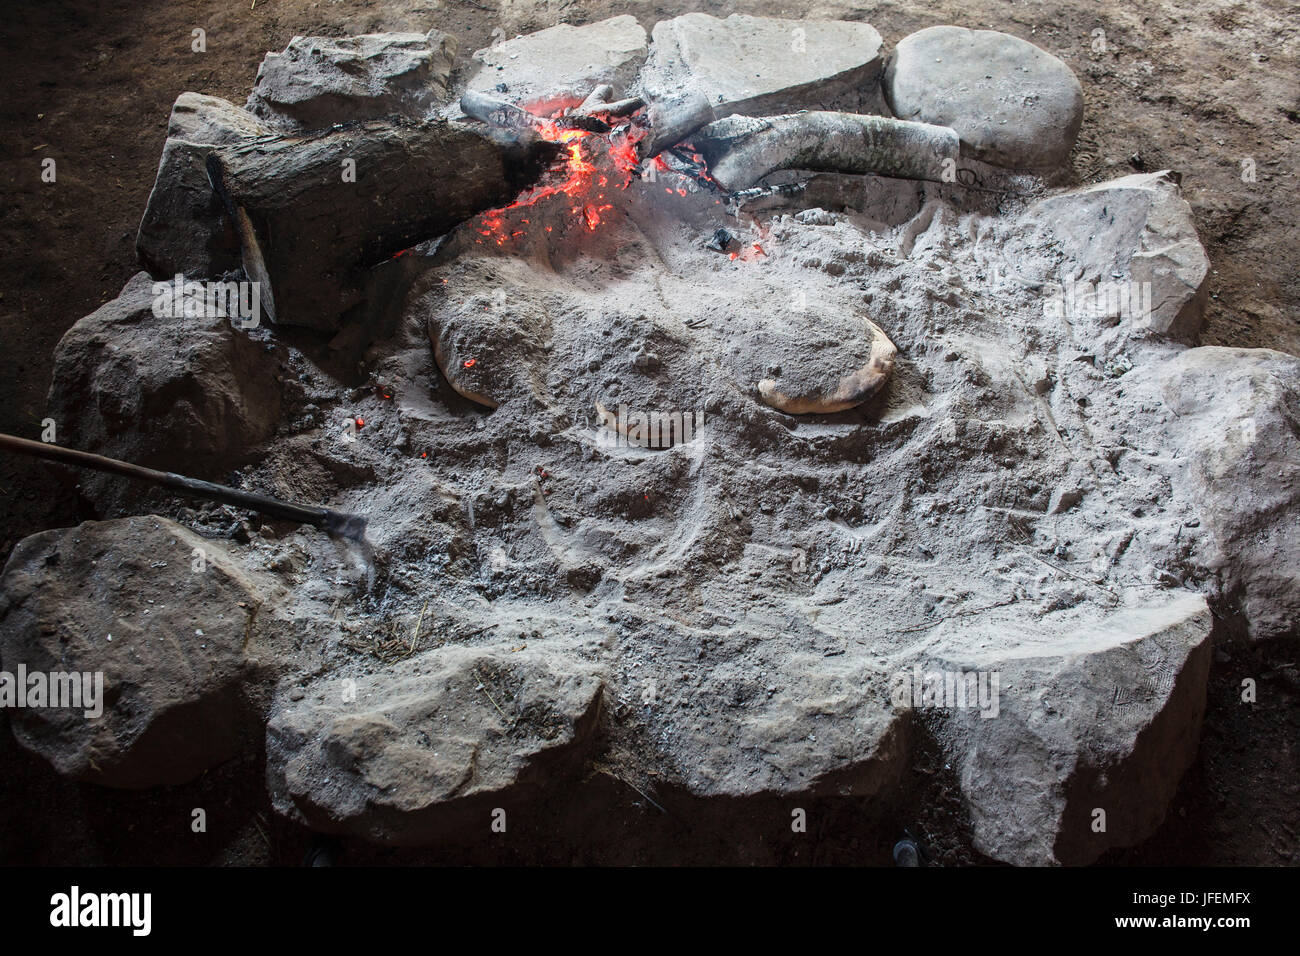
{"type": "Point", "coordinates": [483, 687]}
{"type": "Point", "coordinates": [415, 635]}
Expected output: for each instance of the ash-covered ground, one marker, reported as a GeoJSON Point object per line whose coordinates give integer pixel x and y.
{"type": "Point", "coordinates": [1045, 498]}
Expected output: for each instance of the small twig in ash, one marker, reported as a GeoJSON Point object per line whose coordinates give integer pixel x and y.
{"type": "Point", "coordinates": [1097, 584]}
{"type": "Point", "coordinates": [946, 617]}
{"type": "Point", "coordinates": [257, 824]}
{"type": "Point", "coordinates": [483, 687]}
{"type": "Point", "coordinates": [415, 635]}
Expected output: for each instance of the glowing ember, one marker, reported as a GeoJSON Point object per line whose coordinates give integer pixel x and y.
{"type": "Point", "coordinates": [593, 163]}
{"type": "Point", "coordinates": [580, 179]}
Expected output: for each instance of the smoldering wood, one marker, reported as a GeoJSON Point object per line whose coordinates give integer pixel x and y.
{"type": "Point", "coordinates": [311, 233]}
{"type": "Point", "coordinates": [741, 150]}
{"type": "Point", "coordinates": [588, 115]}
{"type": "Point", "coordinates": [679, 162]}
{"type": "Point", "coordinates": [496, 112]}
{"type": "Point", "coordinates": [673, 120]}
{"type": "Point", "coordinates": [333, 522]}
{"type": "Point", "coordinates": [598, 103]}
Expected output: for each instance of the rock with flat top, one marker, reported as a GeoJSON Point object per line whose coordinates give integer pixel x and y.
{"type": "Point", "coordinates": [412, 758]}
{"type": "Point", "coordinates": [319, 81]}
{"type": "Point", "coordinates": [556, 68]}
{"type": "Point", "coordinates": [703, 68]}
{"type": "Point", "coordinates": [1132, 259]}
{"type": "Point", "coordinates": [1105, 718]}
{"type": "Point", "coordinates": [1011, 103]}
{"type": "Point", "coordinates": [1234, 419]}
{"type": "Point", "coordinates": [189, 393]}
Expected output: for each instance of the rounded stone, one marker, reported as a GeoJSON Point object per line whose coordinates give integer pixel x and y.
{"type": "Point", "coordinates": [1011, 103]}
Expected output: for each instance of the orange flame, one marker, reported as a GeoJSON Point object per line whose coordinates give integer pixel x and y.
{"type": "Point", "coordinates": [580, 177]}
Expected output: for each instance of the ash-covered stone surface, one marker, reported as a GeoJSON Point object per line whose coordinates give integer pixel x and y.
{"type": "Point", "coordinates": [594, 534]}
{"type": "Point", "coordinates": [315, 81]}
{"type": "Point", "coordinates": [558, 66]}
{"type": "Point", "coordinates": [149, 378]}
{"type": "Point", "coordinates": [757, 66]}
{"type": "Point", "coordinates": [1010, 102]}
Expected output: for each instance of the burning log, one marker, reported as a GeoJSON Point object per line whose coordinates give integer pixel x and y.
{"type": "Point", "coordinates": [331, 522]}
{"type": "Point", "coordinates": [591, 115]}
{"type": "Point", "coordinates": [497, 112]}
{"type": "Point", "coordinates": [314, 211]}
{"type": "Point", "coordinates": [741, 150]}
{"type": "Point", "coordinates": [598, 103]}
{"type": "Point", "coordinates": [672, 121]}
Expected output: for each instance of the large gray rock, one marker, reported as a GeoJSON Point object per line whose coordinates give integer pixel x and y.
{"type": "Point", "coordinates": [1130, 237]}
{"type": "Point", "coordinates": [425, 755]}
{"type": "Point", "coordinates": [319, 81]}
{"type": "Point", "coordinates": [559, 66]}
{"type": "Point", "coordinates": [702, 68]}
{"type": "Point", "coordinates": [759, 65]}
{"type": "Point", "coordinates": [191, 394]}
{"type": "Point", "coordinates": [1011, 103]}
{"type": "Point", "coordinates": [1235, 420]}
{"type": "Point", "coordinates": [183, 229]}
{"type": "Point", "coordinates": [1091, 735]}
{"type": "Point", "coordinates": [123, 599]}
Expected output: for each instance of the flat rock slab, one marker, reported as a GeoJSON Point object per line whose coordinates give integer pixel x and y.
{"type": "Point", "coordinates": [759, 65]}
{"type": "Point", "coordinates": [1011, 103]}
{"type": "Point", "coordinates": [557, 67]}
{"type": "Point", "coordinates": [123, 599]}
{"type": "Point", "coordinates": [1132, 236]}
{"type": "Point", "coordinates": [212, 121]}
{"type": "Point", "coordinates": [183, 229]}
{"type": "Point", "coordinates": [319, 81]}
{"type": "Point", "coordinates": [702, 68]}
{"type": "Point", "coordinates": [406, 760]}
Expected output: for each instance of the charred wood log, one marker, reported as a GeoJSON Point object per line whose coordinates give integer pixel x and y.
{"type": "Point", "coordinates": [497, 112]}
{"type": "Point", "coordinates": [741, 150]}
{"type": "Point", "coordinates": [315, 211]}
{"type": "Point", "coordinates": [672, 121]}
{"type": "Point", "coordinates": [592, 115]}
{"type": "Point", "coordinates": [598, 104]}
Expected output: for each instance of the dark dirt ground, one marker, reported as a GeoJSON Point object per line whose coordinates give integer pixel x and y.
{"type": "Point", "coordinates": [1198, 86]}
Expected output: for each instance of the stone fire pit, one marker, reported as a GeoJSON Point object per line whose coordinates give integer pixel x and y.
{"type": "Point", "coordinates": [759, 485]}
